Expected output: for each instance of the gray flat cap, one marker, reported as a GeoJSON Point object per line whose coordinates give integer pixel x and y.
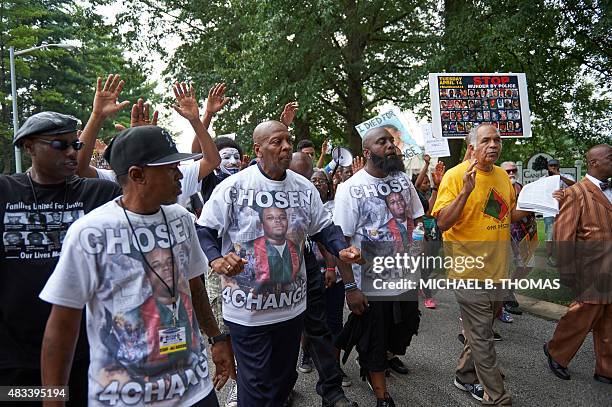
{"type": "Point", "coordinates": [46, 124]}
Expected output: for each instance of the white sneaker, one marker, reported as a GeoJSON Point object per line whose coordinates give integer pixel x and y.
{"type": "Point", "coordinates": [232, 397]}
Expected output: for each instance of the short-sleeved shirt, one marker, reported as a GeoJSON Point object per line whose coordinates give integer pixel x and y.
{"type": "Point", "coordinates": [34, 219]}
{"type": "Point", "coordinates": [129, 309]}
{"type": "Point", "coordinates": [361, 209]}
{"type": "Point", "coordinates": [265, 222]}
{"type": "Point", "coordinates": [485, 218]}
{"type": "Point", "coordinates": [189, 183]}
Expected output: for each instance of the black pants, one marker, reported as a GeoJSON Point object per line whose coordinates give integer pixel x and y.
{"type": "Point", "coordinates": [208, 401]}
{"type": "Point", "coordinates": [266, 356]}
{"type": "Point", "coordinates": [77, 384]}
{"type": "Point", "coordinates": [319, 341]}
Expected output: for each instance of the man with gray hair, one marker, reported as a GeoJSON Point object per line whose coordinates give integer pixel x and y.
{"type": "Point", "coordinates": [476, 201]}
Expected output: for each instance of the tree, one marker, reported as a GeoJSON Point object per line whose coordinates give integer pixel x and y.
{"type": "Point", "coordinates": [55, 79]}
{"type": "Point", "coordinates": [565, 60]}
{"type": "Point", "coordinates": [340, 59]}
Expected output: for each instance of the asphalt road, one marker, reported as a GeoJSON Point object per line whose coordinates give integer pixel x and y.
{"type": "Point", "coordinates": [433, 355]}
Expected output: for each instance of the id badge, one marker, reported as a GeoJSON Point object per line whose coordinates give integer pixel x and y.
{"type": "Point", "coordinates": [172, 340]}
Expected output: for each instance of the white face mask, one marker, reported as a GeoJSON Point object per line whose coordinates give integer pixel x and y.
{"type": "Point", "coordinates": [230, 160]}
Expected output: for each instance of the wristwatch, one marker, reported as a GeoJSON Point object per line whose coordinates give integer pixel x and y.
{"type": "Point", "coordinates": [219, 338]}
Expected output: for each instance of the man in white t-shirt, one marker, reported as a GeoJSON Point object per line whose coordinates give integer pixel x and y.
{"type": "Point", "coordinates": [268, 319]}
{"type": "Point", "coordinates": [135, 263]}
{"type": "Point", "coordinates": [367, 208]}
{"type": "Point", "coordinates": [105, 105]}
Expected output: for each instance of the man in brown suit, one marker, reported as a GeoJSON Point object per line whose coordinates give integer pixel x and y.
{"type": "Point", "coordinates": [583, 232]}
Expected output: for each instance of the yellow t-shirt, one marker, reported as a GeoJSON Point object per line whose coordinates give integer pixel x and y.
{"type": "Point", "coordinates": [485, 219]}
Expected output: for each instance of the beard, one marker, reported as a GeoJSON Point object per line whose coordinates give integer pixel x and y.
{"type": "Point", "coordinates": [513, 180]}
{"type": "Point", "coordinates": [387, 165]}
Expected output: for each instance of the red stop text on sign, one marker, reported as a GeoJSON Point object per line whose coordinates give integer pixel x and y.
{"type": "Point", "coordinates": [491, 80]}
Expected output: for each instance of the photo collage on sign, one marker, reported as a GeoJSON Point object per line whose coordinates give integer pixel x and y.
{"type": "Point", "coordinates": [463, 108]}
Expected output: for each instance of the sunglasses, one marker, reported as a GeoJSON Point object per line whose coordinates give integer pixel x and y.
{"type": "Point", "coordinates": [512, 171]}
{"type": "Point", "coordinates": [63, 144]}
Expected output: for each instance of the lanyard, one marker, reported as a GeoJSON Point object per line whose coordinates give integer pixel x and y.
{"type": "Point", "coordinates": [171, 290]}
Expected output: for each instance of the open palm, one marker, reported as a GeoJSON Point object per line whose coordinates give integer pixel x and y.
{"type": "Point", "coordinates": [187, 104]}
{"type": "Point", "coordinates": [105, 101]}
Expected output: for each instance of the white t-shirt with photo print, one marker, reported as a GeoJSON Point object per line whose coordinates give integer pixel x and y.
{"type": "Point", "coordinates": [103, 268]}
{"type": "Point", "coordinates": [361, 210]}
{"type": "Point", "coordinates": [253, 215]}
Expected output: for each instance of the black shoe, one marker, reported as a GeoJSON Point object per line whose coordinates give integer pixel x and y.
{"type": "Point", "coordinates": [461, 338]}
{"type": "Point", "coordinates": [343, 402]}
{"type": "Point", "coordinates": [386, 402]}
{"type": "Point", "coordinates": [496, 336]}
{"type": "Point", "coordinates": [305, 365]}
{"type": "Point", "coordinates": [513, 307]}
{"type": "Point", "coordinates": [397, 366]}
{"type": "Point", "coordinates": [559, 371]}
{"type": "Point", "coordinates": [289, 401]}
{"type": "Point", "coordinates": [603, 379]}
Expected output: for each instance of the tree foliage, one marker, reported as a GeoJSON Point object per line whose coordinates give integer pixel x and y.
{"type": "Point", "coordinates": [57, 79]}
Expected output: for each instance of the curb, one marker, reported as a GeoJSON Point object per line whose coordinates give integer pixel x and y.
{"type": "Point", "coordinates": [544, 309]}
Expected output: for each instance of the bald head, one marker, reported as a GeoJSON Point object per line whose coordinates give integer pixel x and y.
{"type": "Point", "coordinates": [599, 161]}
{"type": "Point", "coordinates": [302, 164]}
{"type": "Point", "coordinates": [371, 135]}
{"type": "Point", "coordinates": [264, 130]}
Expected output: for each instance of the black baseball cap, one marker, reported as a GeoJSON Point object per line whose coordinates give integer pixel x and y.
{"type": "Point", "coordinates": [46, 124]}
{"type": "Point", "coordinates": [553, 162]}
{"type": "Point", "coordinates": [143, 146]}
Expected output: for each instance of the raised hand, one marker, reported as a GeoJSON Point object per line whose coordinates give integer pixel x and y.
{"type": "Point", "coordinates": [100, 147]}
{"type": "Point", "coordinates": [216, 98]}
{"type": "Point", "coordinates": [105, 101]}
{"type": "Point", "coordinates": [358, 163]}
{"type": "Point", "coordinates": [469, 178]}
{"type": "Point", "coordinates": [438, 173]}
{"type": "Point", "coordinates": [246, 160]}
{"type": "Point", "coordinates": [426, 159]}
{"type": "Point", "coordinates": [141, 115]}
{"type": "Point", "coordinates": [187, 104]}
{"type": "Point", "coordinates": [289, 113]}
{"type": "Point", "coordinates": [324, 147]}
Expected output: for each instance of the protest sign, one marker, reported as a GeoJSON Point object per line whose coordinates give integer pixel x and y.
{"type": "Point", "coordinates": [435, 147]}
{"type": "Point", "coordinates": [393, 120]}
{"type": "Point", "coordinates": [461, 101]}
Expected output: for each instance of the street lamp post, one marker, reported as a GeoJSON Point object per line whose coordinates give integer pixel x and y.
{"type": "Point", "coordinates": [12, 55]}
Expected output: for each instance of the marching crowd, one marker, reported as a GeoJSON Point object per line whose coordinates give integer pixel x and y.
{"type": "Point", "coordinates": [260, 257]}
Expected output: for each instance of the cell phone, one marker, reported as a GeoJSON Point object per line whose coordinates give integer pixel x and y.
{"type": "Point", "coordinates": [329, 147]}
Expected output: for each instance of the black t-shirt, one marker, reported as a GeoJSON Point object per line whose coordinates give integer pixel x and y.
{"type": "Point", "coordinates": [33, 222]}
{"type": "Point", "coordinates": [209, 183]}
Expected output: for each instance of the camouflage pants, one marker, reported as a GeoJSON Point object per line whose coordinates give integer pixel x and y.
{"type": "Point", "coordinates": [213, 288]}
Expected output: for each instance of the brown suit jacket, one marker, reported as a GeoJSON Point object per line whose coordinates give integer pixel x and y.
{"type": "Point", "coordinates": [583, 234]}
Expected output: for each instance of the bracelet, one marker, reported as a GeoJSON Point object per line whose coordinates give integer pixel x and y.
{"type": "Point", "coordinates": [350, 286]}
{"type": "Point", "coordinates": [330, 269]}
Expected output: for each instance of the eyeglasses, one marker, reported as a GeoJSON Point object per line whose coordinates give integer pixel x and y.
{"type": "Point", "coordinates": [512, 171]}
{"type": "Point", "coordinates": [63, 144]}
